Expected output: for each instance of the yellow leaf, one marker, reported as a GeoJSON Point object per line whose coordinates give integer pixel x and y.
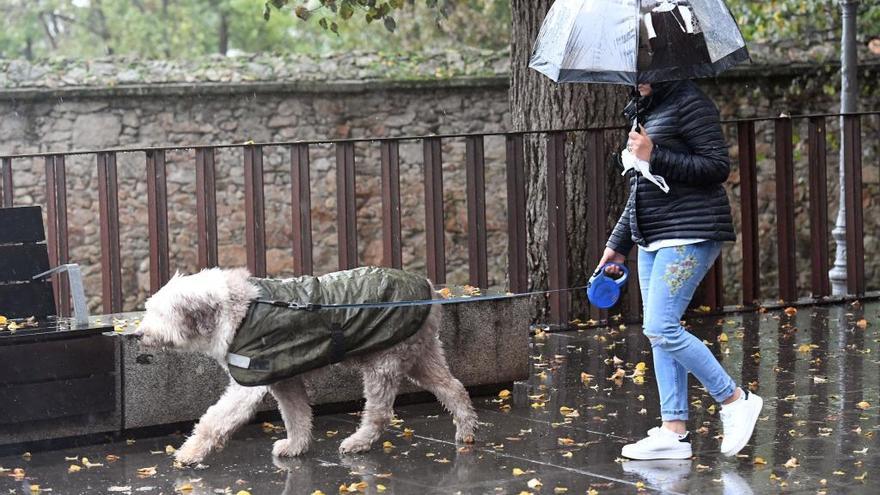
{"type": "Point", "coordinates": [560, 489]}
{"type": "Point", "coordinates": [243, 492]}
{"type": "Point", "coordinates": [862, 477]}
{"type": "Point", "coordinates": [3, 320]}
{"type": "Point", "coordinates": [35, 488]}
{"type": "Point", "coordinates": [319, 492]}
{"type": "Point", "coordinates": [839, 472]}
{"type": "Point", "coordinates": [791, 463]}
{"type": "Point", "coordinates": [408, 432]}
{"type": "Point", "coordinates": [711, 409]}
{"type": "Point", "coordinates": [518, 472]}
{"type": "Point", "coordinates": [186, 487]}
{"type": "Point", "coordinates": [535, 484]}
{"type": "Point", "coordinates": [759, 460]}
{"type": "Point", "coordinates": [640, 485]}
{"type": "Point", "coordinates": [641, 398]}
{"type": "Point", "coordinates": [585, 378]}
{"type": "Point", "coordinates": [565, 410]}
{"type": "Point", "coordinates": [74, 468]}
{"type": "Point", "coordinates": [568, 455]}
{"type": "Point", "coordinates": [169, 449]}
{"type": "Point", "coordinates": [592, 491]}
{"type": "Point", "coordinates": [863, 405]}
{"type": "Point", "coordinates": [641, 366]}
{"type": "Point", "coordinates": [380, 488]}
{"type": "Point", "coordinates": [639, 380]}
{"type": "Point", "coordinates": [387, 445]}
{"type": "Point", "coordinates": [723, 337]}
{"type": "Point", "coordinates": [331, 433]}
{"type": "Point", "coordinates": [504, 394]}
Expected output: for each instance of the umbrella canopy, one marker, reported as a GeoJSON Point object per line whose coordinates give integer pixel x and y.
{"type": "Point", "coordinates": [637, 41]}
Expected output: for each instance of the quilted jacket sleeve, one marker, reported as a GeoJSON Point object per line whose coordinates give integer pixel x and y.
{"type": "Point", "coordinates": [708, 161]}
{"type": "Point", "coordinates": [620, 239]}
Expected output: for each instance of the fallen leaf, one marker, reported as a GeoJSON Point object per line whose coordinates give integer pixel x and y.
{"type": "Point", "coordinates": [35, 488]}
{"type": "Point", "coordinates": [839, 473]}
{"type": "Point", "coordinates": [518, 472]}
{"type": "Point", "coordinates": [535, 484]}
{"type": "Point", "coordinates": [863, 323]}
{"type": "Point", "coordinates": [407, 432]}
{"type": "Point", "coordinates": [331, 433]}
{"type": "Point", "coordinates": [442, 460]}
{"type": "Point", "coordinates": [18, 474]}
{"type": "Point", "coordinates": [639, 380]}
{"type": "Point", "coordinates": [640, 485]}
{"type": "Point", "coordinates": [641, 366]}
{"type": "Point", "coordinates": [74, 468]}
{"type": "Point", "coordinates": [560, 489]}
{"type": "Point", "coordinates": [568, 455]}
{"type": "Point", "coordinates": [791, 463]}
{"type": "Point", "coordinates": [319, 492]}
{"type": "Point", "coordinates": [26, 456]}
{"type": "Point", "coordinates": [759, 460]}
{"type": "Point", "coordinates": [565, 441]}
{"type": "Point", "coordinates": [791, 311]}
{"type": "Point", "coordinates": [387, 445]}
{"type": "Point", "coordinates": [722, 337]}
{"type": "Point", "coordinates": [586, 378]}
{"type": "Point", "coordinates": [186, 488]}
{"type": "Point", "coordinates": [169, 449]}
{"type": "Point", "coordinates": [380, 488]}
{"type": "Point", "coordinates": [111, 458]}
{"type": "Point", "coordinates": [862, 452]}
{"type": "Point", "coordinates": [504, 394]}
{"type": "Point", "coordinates": [618, 375]}
{"type": "Point", "coordinates": [863, 405]}
{"type": "Point", "coordinates": [592, 492]}
{"type": "Point", "coordinates": [702, 467]}
{"type": "Point", "coordinates": [85, 462]}
{"type": "Point", "coordinates": [118, 489]}
{"type": "Point", "coordinates": [146, 472]}
{"type": "Point", "coordinates": [862, 477]}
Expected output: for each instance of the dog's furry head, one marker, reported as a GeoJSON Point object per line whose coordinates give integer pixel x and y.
{"type": "Point", "coordinates": [198, 312]}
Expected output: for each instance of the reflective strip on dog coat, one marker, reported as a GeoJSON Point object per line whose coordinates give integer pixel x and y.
{"type": "Point", "coordinates": [273, 343]}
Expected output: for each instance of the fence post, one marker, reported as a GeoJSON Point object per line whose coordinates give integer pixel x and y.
{"type": "Point", "coordinates": [748, 184]}
{"type": "Point", "coordinates": [855, 227]}
{"type": "Point", "coordinates": [557, 257]}
{"type": "Point", "coordinates": [785, 231]}
{"type": "Point", "coordinates": [157, 219]}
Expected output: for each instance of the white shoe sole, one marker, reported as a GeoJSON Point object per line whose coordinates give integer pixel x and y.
{"type": "Point", "coordinates": [753, 420]}
{"type": "Point", "coordinates": [656, 456]}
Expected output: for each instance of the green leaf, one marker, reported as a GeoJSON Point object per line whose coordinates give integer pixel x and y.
{"type": "Point", "coordinates": [267, 11]}
{"type": "Point", "coordinates": [346, 11]}
{"type": "Point", "coordinates": [390, 25]}
{"type": "Point", "coordinates": [303, 13]}
{"type": "Point", "coordinates": [323, 23]}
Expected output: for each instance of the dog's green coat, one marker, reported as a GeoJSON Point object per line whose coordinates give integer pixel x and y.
{"type": "Point", "coordinates": [279, 343]}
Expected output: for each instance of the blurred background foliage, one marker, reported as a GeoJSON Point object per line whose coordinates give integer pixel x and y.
{"type": "Point", "coordinates": [184, 29]}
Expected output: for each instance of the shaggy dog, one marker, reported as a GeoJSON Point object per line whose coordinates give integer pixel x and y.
{"type": "Point", "coordinates": [201, 313]}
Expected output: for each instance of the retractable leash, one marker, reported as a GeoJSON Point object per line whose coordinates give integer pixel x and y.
{"type": "Point", "coordinates": [300, 306]}
{"type": "Point", "coordinates": [600, 292]}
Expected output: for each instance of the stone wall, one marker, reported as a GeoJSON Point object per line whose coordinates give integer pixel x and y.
{"type": "Point", "coordinates": [95, 107]}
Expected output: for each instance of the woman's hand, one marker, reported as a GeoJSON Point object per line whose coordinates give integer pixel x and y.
{"type": "Point", "coordinates": [640, 145]}
{"type": "Point", "coordinates": [612, 256]}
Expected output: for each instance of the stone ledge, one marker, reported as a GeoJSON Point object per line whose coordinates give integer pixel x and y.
{"type": "Point", "coordinates": [226, 89]}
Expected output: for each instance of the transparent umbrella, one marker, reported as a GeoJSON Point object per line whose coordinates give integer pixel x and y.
{"type": "Point", "coordinates": [637, 41]}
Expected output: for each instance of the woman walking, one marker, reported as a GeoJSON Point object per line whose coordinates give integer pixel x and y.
{"type": "Point", "coordinates": [679, 230]}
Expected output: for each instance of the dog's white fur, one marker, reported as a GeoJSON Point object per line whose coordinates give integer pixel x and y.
{"type": "Point", "coordinates": [201, 313]}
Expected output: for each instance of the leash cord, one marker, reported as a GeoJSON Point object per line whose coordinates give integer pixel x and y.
{"type": "Point", "coordinates": [300, 306]}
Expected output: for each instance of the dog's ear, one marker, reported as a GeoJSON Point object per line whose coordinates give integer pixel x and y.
{"type": "Point", "coordinates": [200, 316]}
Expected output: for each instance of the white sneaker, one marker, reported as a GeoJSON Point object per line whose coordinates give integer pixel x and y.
{"type": "Point", "coordinates": [659, 444]}
{"type": "Point", "coordinates": [738, 421]}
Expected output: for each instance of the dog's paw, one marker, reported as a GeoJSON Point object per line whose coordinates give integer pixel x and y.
{"type": "Point", "coordinates": [354, 444]}
{"type": "Point", "coordinates": [287, 448]}
{"type": "Point", "coordinates": [193, 451]}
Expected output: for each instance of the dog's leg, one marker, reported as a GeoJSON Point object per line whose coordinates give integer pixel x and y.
{"type": "Point", "coordinates": [293, 402]}
{"type": "Point", "coordinates": [236, 407]}
{"type": "Point", "coordinates": [431, 372]}
{"type": "Point", "coordinates": [380, 389]}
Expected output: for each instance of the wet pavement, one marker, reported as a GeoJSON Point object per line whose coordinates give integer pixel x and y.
{"type": "Point", "coordinates": [561, 431]}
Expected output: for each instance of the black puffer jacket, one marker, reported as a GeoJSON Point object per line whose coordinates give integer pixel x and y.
{"type": "Point", "coordinates": [690, 153]}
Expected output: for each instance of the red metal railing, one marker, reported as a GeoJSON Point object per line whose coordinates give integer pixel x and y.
{"type": "Point", "coordinates": [712, 294]}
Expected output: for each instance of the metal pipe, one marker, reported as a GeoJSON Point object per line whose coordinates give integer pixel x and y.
{"type": "Point", "coordinates": [848, 104]}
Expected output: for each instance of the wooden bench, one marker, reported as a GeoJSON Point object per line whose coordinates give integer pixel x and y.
{"type": "Point", "coordinates": [50, 367]}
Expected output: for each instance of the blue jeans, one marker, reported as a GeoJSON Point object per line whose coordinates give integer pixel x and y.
{"type": "Point", "coordinates": [668, 278]}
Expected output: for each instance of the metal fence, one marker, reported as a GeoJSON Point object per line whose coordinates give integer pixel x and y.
{"type": "Point", "coordinates": [301, 243]}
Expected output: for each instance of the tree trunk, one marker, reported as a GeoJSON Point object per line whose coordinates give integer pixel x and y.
{"type": "Point", "coordinates": [539, 103]}
{"type": "Point", "coordinates": [223, 34]}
